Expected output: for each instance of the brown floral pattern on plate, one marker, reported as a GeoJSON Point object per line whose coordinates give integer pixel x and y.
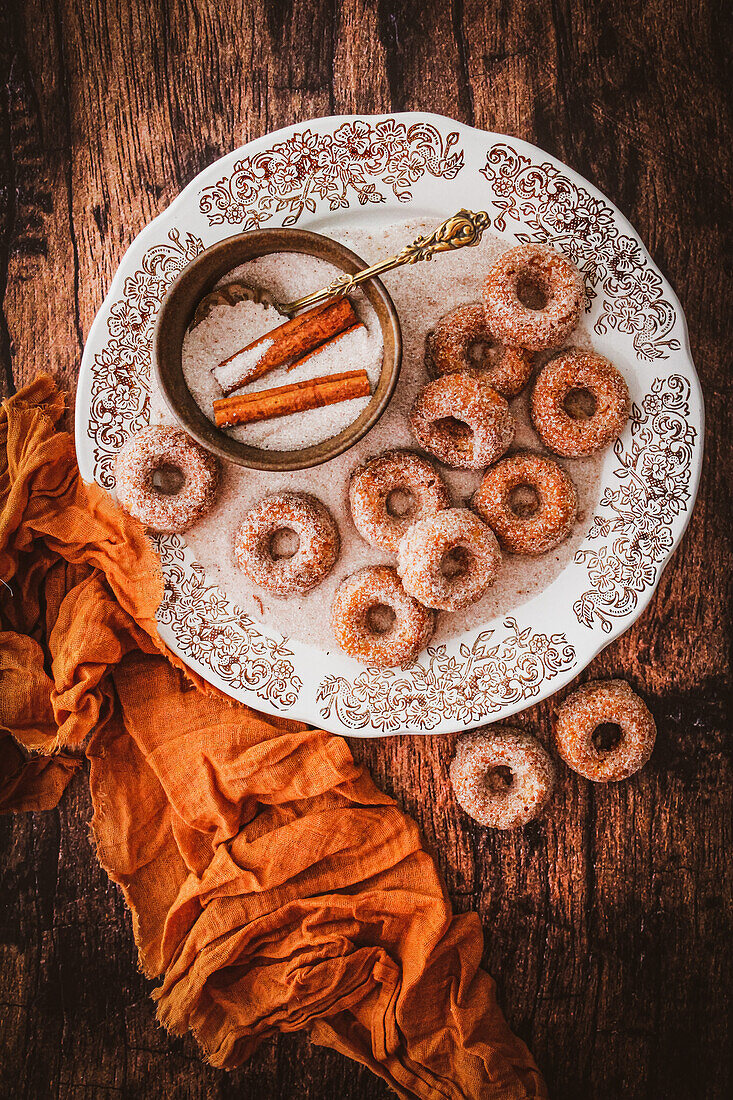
{"type": "Point", "coordinates": [308, 168]}
{"type": "Point", "coordinates": [465, 688]}
{"type": "Point", "coordinates": [654, 475]}
{"type": "Point", "coordinates": [583, 227]}
{"type": "Point", "coordinates": [213, 632]}
{"type": "Point", "coordinates": [121, 370]}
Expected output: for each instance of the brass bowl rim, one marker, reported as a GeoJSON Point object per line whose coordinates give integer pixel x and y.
{"type": "Point", "coordinates": [197, 279]}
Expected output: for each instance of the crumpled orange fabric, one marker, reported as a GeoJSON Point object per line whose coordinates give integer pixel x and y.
{"type": "Point", "coordinates": [272, 886]}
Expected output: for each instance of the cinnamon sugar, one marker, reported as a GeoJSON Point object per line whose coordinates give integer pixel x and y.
{"type": "Point", "coordinates": [228, 373]}
{"type": "Point", "coordinates": [230, 328]}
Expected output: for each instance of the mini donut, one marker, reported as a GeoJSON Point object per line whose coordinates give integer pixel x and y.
{"type": "Point", "coordinates": [595, 704]}
{"type": "Point", "coordinates": [576, 369]}
{"type": "Point", "coordinates": [164, 450]}
{"type": "Point", "coordinates": [448, 349]}
{"type": "Point", "coordinates": [472, 546]}
{"type": "Point", "coordinates": [394, 471]}
{"type": "Point", "coordinates": [462, 421]}
{"type": "Point", "coordinates": [553, 276]}
{"type": "Point", "coordinates": [502, 779]}
{"type": "Point", "coordinates": [318, 543]}
{"type": "Point", "coordinates": [557, 509]}
{"type": "Point", "coordinates": [378, 586]}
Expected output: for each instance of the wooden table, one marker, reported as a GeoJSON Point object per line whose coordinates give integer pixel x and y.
{"type": "Point", "coordinates": [606, 926]}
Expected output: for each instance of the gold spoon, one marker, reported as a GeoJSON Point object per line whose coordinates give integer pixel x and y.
{"type": "Point", "coordinates": [462, 229]}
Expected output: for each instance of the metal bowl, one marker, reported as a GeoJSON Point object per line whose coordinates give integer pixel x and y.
{"type": "Point", "coordinates": [177, 312]}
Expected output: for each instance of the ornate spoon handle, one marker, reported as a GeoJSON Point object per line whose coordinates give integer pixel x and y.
{"type": "Point", "coordinates": [464, 228]}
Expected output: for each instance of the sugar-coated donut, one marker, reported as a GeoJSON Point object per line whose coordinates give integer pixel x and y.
{"type": "Point", "coordinates": [501, 777]}
{"type": "Point", "coordinates": [316, 553]}
{"type": "Point", "coordinates": [599, 703]}
{"type": "Point", "coordinates": [567, 435]}
{"type": "Point", "coordinates": [461, 420]}
{"type": "Point", "coordinates": [554, 277]}
{"type": "Point", "coordinates": [156, 450]}
{"type": "Point", "coordinates": [471, 546]}
{"type": "Point", "coordinates": [527, 532]}
{"type": "Point", "coordinates": [373, 484]}
{"type": "Point", "coordinates": [449, 347]}
{"type": "Point", "coordinates": [366, 592]}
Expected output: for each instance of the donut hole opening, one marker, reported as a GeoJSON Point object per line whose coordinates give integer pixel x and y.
{"type": "Point", "coordinates": [455, 562]}
{"type": "Point", "coordinates": [284, 544]}
{"type": "Point", "coordinates": [400, 503]}
{"type": "Point", "coordinates": [167, 480]}
{"type": "Point", "coordinates": [579, 403]}
{"type": "Point", "coordinates": [483, 353]}
{"type": "Point", "coordinates": [459, 433]}
{"type": "Point", "coordinates": [531, 293]}
{"type": "Point", "coordinates": [524, 501]}
{"type": "Point", "coordinates": [380, 618]}
{"type": "Point", "coordinates": [607, 736]}
{"type": "Point", "coordinates": [499, 779]}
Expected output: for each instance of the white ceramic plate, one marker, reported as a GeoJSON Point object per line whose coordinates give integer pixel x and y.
{"type": "Point", "coordinates": [380, 170]}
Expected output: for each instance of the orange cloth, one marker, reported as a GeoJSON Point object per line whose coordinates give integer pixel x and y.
{"type": "Point", "coordinates": [272, 886]}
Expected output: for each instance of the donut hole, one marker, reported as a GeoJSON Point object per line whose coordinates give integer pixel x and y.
{"type": "Point", "coordinates": [483, 352]}
{"type": "Point", "coordinates": [380, 618]}
{"type": "Point", "coordinates": [579, 403]}
{"type": "Point", "coordinates": [459, 433]}
{"type": "Point", "coordinates": [400, 503]}
{"type": "Point", "coordinates": [284, 544]}
{"type": "Point", "coordinates": [455, 562]}
{"type": "Point", "coordinates": [498, 780]}
{"type": "Point", "coordinates": [531, 292]}
{"type": "Point", "coordinates": [607, 736]}
{"type": "Point", "coordinates": [167, 480]}
{"type": "Point", "coordinates": [524, 501]}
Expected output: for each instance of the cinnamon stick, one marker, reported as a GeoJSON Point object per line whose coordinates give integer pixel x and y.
{"type": "Point", "coordinates": [291, 340]}
{"type": "Point", "coordinates": [314, 393]}
{"type": "Point", "coordinates": [324, 347]}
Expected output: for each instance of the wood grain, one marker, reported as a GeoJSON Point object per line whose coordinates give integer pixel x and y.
{"type": "Point", "coordinates": [608, 925]}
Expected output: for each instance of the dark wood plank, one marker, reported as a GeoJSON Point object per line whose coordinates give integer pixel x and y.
{"type": "Point", "coordinates": [607, 926]}
{"type": "Point", "coordinates": [41, 298]}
